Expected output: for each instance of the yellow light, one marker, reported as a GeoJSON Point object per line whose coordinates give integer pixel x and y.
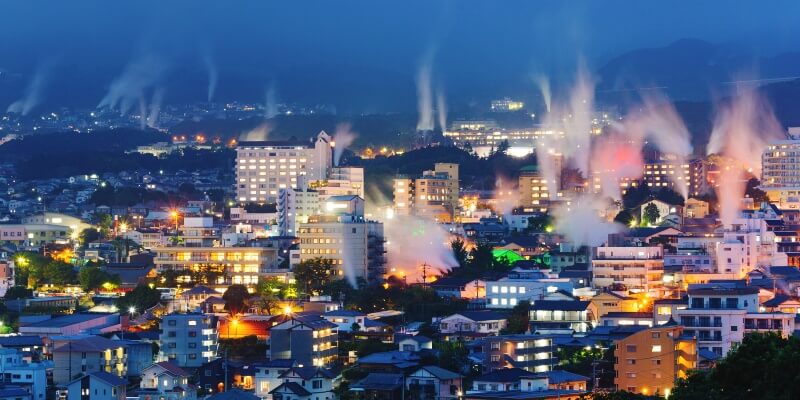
{"type": "Point", "coordinates": [287, 310]}
{"type": "Point", "coordinates": [385, 285]}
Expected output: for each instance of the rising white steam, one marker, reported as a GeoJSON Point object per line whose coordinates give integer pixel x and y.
{"type": "Point", "coordinates": [424, 97]}
{"type": "Point", "coordinates": [260, 133]}
{"type": "Point", "coordinates": [34, 92]}
{"type": "Point", "coordinates": [343, 138]}
{"type": "Point", "coordinates": [657, 121]}
{"type": "Point", "coordinates": [155, 107]}
{"type": "Point", "coordinates": [129, 88]}
{"type": "Point", "coordinates": [213, 74]}
{"type": "Point", "coordinates": [616, 156]}
{"type": "Point", "coordinates": [441, 109]}
{"type": "Point", "coordinates": [412, 241]}
{"type": "Point", "coordinates": [271, 103]}
{"type": "Point", "coordinates": [580, 222]}
{"type": "Point", "coordinates": [742, 129]}
{"type": "Point", "coordinates": [544, 87]}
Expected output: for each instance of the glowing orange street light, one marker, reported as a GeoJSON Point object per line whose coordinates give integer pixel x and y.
{"type": "Point", "coordinates": [175, 215]}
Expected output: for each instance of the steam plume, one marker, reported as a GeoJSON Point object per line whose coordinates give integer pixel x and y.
{"type": "Point", "coordinates": [213, 74]}
{"type": "Point", "coordinates": [130, 87]}
{"type": "Point", "coordinates": [576, 119]}
{"type": "Point", "coordinates": [614, 157]}
{"type": "Point", "coordinates": [155, 107]}
{"type": "Point", "coordinates": [546, 158]}
{"type": "Point", "coordinates": [425, 96]}
{"type": "Point", "coordinates": [658, 121]}
{"type": "Point", "coordinates": [33, 92]}
{"type": "Point", "coordinates": [261, 132]}
{"type": "Point", "coordinates": [412, 241]}
{"type": "Point", "coordinates": [271, 104]}
{"type": "Point", "coordinates": [742, 129]}
{"type": "Point", "coordinates": [544, 87]}
{"type": "Point", "coordinates": [581, 224]}
{"type": "Point", "coordinates": [506, 195]}
{"type": "Point", "coordinates": [343, 138]}
{"type": "Point", "coordinates": [441, 109]}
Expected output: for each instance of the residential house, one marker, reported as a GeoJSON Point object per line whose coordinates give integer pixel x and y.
{"type": "Point", "coordinates": [345, 320]}
{"type": "Point", "coordinates": [534, 353]}
{"type": "Point", "coordinates": [472, 324]}
{"type": "Point", "coordinates": [305, 383]}
{"type": "Point", "coordinates": [97, 385]}
{"type": "Point", "coordinates": [606, 302]}
{"type": "Point", "coordinates": [188, 340]}
{"type": "Point", "coordinates": [268, 376]}
{"type": "Point", "coordinates": [14, 370]}
{"type": "Point", "coordinates": [434, 383]}
{"type": "Point", "coordinates": [413, 343]}
{"type": "Point", "coordinates": [166, 381]}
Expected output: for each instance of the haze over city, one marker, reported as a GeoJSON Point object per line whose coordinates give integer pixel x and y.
{"type": "Point", "coordinates": [426, 200]}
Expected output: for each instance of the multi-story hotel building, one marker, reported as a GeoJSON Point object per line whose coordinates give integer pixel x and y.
{"type": "Point", "coordinates": [343, 235]}
{"type": "Point", "coordinates": [668, 171]}
{"type": "Point", "coordinates": [295, 206]}
{"type": "Point", "coordinates": [484, 136]}
{"type": "Point", "coordinates": [651, 360]}
{"type": "Point", "coordinates": [434, 195]}
{"type": "Point", "coordinates": [241, 265]}
{"type": "Point", "coordinates": [636, 268]}
{"type": "Point", "coordinates": [780, 173]}
{"type": "Point", "coordinates": [263, 168]}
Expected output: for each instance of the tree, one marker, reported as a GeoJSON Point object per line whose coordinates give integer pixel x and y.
{"type": "Point", "coordinates": [460, 251]}
{"type": "Point", "coordinates": [104, 223]}
{"type": "Point", "coordinates": [59, 273]}
{"type": "Point", "coordinates": [168, 278]}
{"type": "Point", "coordinates": [88, 235]}
{"type": "Point", "coordinates": [235, 299]}
{"type": "Point", "coordinates": [752, 191]}
{"type": "Point", "coordinates": [763, 366]}
{"type": "Point", "coordinates": [481, 256]}
{"type": "Point", "coordinates": [207, 273]}
{"type": "Point", "coordinates": [313, 274]}
{"type": "Point", "coordinates": [142, 297]}
{"type": "Point", "coordinates": [540, 223]}
{"type": "Point", "coordinates": [651, 214]}
{"type": "Point", "coordinates": [520, 318]}
{"type": "Point", "coordinates": [30, 268]}
{"type": "Point", "coordinates": [91, 278]}
{"type": "Point", "coordinates": [18, 292]}
{"type": "Point", "coordinates": [624, 217]}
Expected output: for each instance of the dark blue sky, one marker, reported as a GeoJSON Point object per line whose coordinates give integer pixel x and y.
{"type": "Point", "coordinates": [359, 55]}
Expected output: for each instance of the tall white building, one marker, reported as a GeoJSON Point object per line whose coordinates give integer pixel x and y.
{"type": "Point", "coordinates": [747, 245]}
{"type": "Point", "coordinates": [780, 172]}
{"type": "Point", "coordinates": [263, 168]}
{"type": "Point", "coordinates": [343, 235]}
{"type": "Point", "coordinates": [342, 181]}
{"type": "Point", "coordinates": [295, 206]}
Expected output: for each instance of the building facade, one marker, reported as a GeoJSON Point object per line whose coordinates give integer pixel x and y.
{"type": "Point", "coordinates": [265, 167]}
{"type": "Point", "coordinates": [188, 340]}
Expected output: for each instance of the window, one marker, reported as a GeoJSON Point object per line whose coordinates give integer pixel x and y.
{"type": "Point", "coordinates": [631, 361]}
{"type": "Point", "coordinates": [316, 384]}
{"type": "Point", "coordinates": [171, 322]}
{"type": "Point", "coordinates": [631, 374]}
{"type": "Point", "coordinates": [495, 358]}
{"type": "Point", "coordinates": [656, 335]}
{"type": "Point", "coordinates": [495, 345]}
{"type": "Point", "coordinates": [734, 328]}
{"type": "Point", "coordinates": [656, 348]}
{"type": "Point", "coordinates": [630, 348]}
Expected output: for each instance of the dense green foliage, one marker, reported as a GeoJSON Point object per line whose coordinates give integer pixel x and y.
{"type": "Point", "coordinates": [140, 298]}
{"type": "Point", "coordinates": [763, 366]}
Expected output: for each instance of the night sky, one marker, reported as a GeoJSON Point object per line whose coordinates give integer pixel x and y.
{"type": "Point", "coordinates": [359, 55]}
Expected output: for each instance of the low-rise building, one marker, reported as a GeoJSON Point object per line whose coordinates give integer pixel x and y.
{"type": "Point", "coordinates": [86, 355]}
{"type": "Point", "coordinates": [309, 340]}
{"type": "Point", "coordinates": [305, 383]}
{"type": "Point", "coordinates": [635, 268]}
{"type": "Point", "coordinates": [534, 353]}
{"type": "Point", "coordinates": [432, 382]}
{"type": "Point", "coordinates": [473, 323]}
{"type": "Point", "coordinates": [15, 370]}
{"type": "Point", "coordinates": [188, 340]}
{"type": "Point", "coordinates": [97, 385]}
{"type": "Point", "coordinates": [166, 381]}
{"type": "Point", "coordinates": [560, 316]}
{"type": "Point", "coordinates": [651, 360]}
